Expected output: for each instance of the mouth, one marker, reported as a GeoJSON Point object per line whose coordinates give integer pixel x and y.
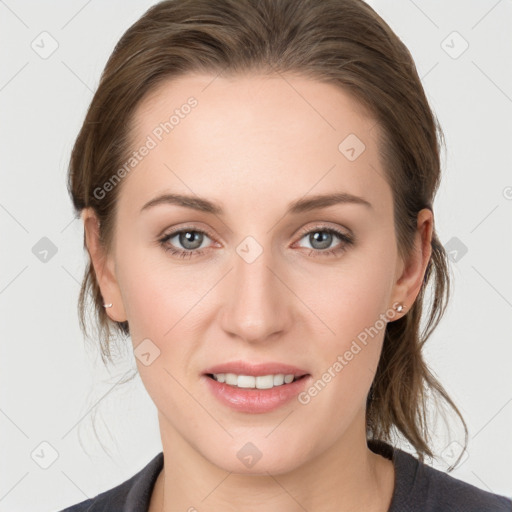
{"type": "Point", "coordinates": [255, 382]}
{"type": "Point", "coordinates": [242, 374]}
{"type": "Point", "coordinates": [261, 392]}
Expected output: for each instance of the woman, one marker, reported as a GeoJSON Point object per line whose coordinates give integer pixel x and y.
{"type": "Point", "coordinates": [256, 180]}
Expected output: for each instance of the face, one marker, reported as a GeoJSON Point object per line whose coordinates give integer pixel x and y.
{"type": "Point", "coordinates": [257, 281]}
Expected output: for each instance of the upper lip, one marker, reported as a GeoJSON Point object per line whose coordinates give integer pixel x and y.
{"type": "Point", "coordinates": [246, 368]}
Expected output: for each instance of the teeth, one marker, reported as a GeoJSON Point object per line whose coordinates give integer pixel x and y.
{"type": "Point", "coordinates": [249, 381]}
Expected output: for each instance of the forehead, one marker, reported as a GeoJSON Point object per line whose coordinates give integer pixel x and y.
{"type": "Point", "coordinates": [249, 137]}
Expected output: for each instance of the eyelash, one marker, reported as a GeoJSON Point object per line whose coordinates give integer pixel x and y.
{"type": "Point", "coordinates": [347, 240]}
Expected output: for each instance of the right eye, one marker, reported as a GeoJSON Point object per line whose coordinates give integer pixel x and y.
{"type": "Point", "coordinates": [188, 238]}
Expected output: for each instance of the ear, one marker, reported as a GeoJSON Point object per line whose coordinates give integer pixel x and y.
{"type": "Point", "coordinates": [411, 273]}
{"type": "Point", "coordinates": [104, 267]}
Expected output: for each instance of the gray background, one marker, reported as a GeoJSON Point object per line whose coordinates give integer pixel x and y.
{"type": "Point", "coordinates": [52, 386]}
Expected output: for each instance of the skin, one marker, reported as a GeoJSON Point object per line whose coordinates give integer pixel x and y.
{"type": "Point", "coordinates": [254, 144]}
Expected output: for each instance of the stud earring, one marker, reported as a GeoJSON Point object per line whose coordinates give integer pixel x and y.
{"type": "Point", "coordinates": [107, 305]}
{"type": "Point", "coordinates": [400, 307]}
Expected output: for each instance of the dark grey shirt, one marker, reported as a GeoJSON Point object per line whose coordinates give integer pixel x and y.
{"type": "Point", "coordinates": [418, 488]}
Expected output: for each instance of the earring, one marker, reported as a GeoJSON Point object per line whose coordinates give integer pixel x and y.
{"type": "Point", "coordinates": [400, 307]}
{"type": "Point", "coordinates": [107, 305]}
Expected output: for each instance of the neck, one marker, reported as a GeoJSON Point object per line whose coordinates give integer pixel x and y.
{"type": "Point", "coordinates": [345, 477]}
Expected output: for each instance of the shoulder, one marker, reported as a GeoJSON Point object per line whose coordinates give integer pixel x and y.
{"type": "Point", "coordinates": [419, 487]}
{"type": "Point", "coordinates": [443, 490]}
{"type": "Point", "coordinates": [132, 494]}
{"type": "Point", "coordinates": [83, 506]}
{"type": "Point", "coordinates": [422, 487]}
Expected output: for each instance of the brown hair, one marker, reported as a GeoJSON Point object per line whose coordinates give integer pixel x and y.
{"type": "Point", "coordinates": [342, 42]}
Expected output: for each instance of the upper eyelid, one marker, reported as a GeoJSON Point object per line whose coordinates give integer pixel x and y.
{"type": "Point", "coordinates": [321, 227]}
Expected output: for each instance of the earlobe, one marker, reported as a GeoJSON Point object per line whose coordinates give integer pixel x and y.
{"type": "Point", "coordinates": [103, 265]}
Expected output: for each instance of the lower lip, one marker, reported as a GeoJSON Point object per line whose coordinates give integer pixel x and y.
{"type": "Point", "coordinates": [255, 400]}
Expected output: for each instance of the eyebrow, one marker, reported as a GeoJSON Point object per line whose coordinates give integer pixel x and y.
{"type": "Point", "coordinates": [295, 207]}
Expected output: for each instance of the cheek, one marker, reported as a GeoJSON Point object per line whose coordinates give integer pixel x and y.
{"type": "Point", "coordinates": [159, 307]}
{"type": "Point", "coordinates": [354, 306]}
{"type": "Point", "coordinates": [163, 305]}
{"type": "Point", "coordinates": [355, 298]}
{"type": "Point", "coordinates": [156, 292]}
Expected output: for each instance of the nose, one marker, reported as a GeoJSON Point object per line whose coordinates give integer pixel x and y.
{"type": "Point", "coordinates": [258, 302]}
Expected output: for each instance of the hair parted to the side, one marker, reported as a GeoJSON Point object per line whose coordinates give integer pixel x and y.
{"type": "Point", "coordinates": [342, 42]}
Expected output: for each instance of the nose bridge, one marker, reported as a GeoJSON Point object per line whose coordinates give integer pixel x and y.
{"type": "Point", "coordinates": [256, 302]}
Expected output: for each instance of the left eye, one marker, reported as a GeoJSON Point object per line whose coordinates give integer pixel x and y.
{"type": "Point", "coordinates": [192, 239]}
{"type": "Point", "coordinates": [325, 240]}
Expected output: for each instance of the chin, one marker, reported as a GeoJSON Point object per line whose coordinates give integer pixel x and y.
{"type": "Point", "coordinates": [257, 457]}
